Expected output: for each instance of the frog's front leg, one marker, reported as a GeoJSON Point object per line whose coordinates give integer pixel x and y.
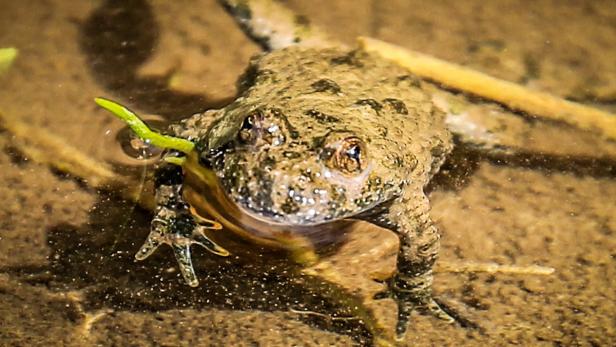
{"type": "Point", "coordinates": [175, 224]}
{"type": "Point", "coordinates": [411, 285]}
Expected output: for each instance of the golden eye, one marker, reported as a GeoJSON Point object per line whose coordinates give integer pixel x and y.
{"type": "Point", "coordinates": [350, 156]}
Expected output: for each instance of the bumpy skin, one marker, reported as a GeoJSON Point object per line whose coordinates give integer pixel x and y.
{"type": "Point", "coordinates": [272, 148]}
{"type": "Point", "coordinates": [316, 136]}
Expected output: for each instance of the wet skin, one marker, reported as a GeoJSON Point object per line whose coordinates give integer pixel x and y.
{"type": "Point", "coordinates": [316, 138]}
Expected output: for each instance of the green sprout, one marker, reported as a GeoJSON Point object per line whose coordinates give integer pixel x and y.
{"type": "Point", "coordinates": [175, 160]}
{"type": "Point", "coordinates": [7, 55]}
{"type": "Point", "coordinates": [142, 130]}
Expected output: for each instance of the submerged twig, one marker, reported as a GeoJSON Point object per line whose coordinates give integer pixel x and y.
{"type": "Point", "coordinates": [325, 316]}
{"type": "Point", "coordinates": [44, 147]}
{"type": "Point", "coordinates": [512, 95]}
{"type": "Point", "coordinates": [493, 268]}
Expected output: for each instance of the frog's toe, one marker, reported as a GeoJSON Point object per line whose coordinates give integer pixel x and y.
{"type": "Point", "coordinates": [437, 311]}
{"type": "Point", "coordinates": [182, 255]}
{"type": "Point", "coordinates": [203, 241]}
{"type": "Point", "coordinates": [149, 246]}
{"type": "Point", "coordinates": [180, 232]}
{"type": "Point", "coordinates": [411, 298]}
{"type": "Point", "coordinates": [406, 308]}
{"type": "Point", "coordinates": [181, 249]}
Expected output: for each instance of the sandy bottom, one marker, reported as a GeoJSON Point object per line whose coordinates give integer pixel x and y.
{"type": "Point", "coordinates": [67, 275]}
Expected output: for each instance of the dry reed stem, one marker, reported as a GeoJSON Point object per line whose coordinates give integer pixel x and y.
{"type": "Point", "coordinates": [512, 95]}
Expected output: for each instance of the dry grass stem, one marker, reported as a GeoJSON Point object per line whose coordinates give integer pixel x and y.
{"type": "Point", "coordinates": [512, 95]}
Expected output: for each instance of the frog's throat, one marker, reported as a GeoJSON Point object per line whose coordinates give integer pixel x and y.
{"type": "Point", "coordinates": [142, 130]}
{"type": "Point", "coordinates": [203, 192]}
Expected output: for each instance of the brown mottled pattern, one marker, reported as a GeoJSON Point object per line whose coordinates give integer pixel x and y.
{"type": "Point", "coordinates": [312, 97]}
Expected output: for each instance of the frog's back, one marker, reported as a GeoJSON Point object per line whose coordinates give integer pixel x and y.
{"type": "Point", "coordinates": [328, 90]}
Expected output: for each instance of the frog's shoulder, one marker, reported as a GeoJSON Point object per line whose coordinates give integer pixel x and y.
{"type": "Point", "coordinates": [324, 68]}
{"type": "Point", "coordinates": [339, 78]}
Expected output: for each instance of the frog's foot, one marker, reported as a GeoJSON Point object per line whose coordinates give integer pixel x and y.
{"type": "Point", "coordinates": [412, 293]}
{"type": "Point", "coordinates": [180, 231]}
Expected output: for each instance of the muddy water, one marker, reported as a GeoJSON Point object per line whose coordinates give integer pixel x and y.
{"type": "Point", "coordinates": [67, 275]}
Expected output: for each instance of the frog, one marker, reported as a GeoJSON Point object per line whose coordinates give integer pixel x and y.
{"type": "Point", "coordinates": [319, 138]}
{"type": "Point", "coordinates": [312, 141]}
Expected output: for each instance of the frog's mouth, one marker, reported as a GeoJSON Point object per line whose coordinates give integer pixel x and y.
{"type": "Point", "coordinates": [204, 193]}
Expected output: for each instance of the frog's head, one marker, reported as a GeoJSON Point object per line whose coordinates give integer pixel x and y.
{"type": "Point", "coordinates": [279, 173]}
{"type": "Point", "coordinates": [274, 172]}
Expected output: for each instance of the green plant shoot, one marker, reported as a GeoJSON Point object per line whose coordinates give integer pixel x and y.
{"type": "Point", "coordinates": [7, 56]}
{"type": "Point", "coordinates": [142, 130]}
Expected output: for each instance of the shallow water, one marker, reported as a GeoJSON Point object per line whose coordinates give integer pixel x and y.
{"type": "Point", "coordinates": [67, 273]}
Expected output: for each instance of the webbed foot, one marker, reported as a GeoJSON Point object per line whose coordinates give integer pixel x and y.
{"type": "Point", "coordinates": [180, 231]}
{"type": "Point", "coordinates": [412, 293]}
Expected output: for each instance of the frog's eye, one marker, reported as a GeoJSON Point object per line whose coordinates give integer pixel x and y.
{"type": "Point", "coordinates": [258, 129]}
{"type": "Point", "coordinates": [247, 133]}
{"type": "Point", "coordinates": [349, 156]}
